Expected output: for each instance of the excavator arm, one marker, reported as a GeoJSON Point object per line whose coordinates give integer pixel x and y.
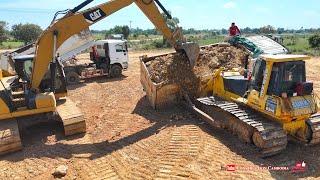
{"type": "Point", "coordinates": [74, 22]}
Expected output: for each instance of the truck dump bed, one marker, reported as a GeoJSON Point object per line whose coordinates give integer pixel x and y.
{"type": "Point", "coordinates": [163, 76]}
{"type": "Point", "coordinates": [160, 95]}
{"type": "Point", "coordinates": [268, 45]}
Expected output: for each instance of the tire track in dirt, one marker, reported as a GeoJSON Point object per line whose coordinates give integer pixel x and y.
{"type": "Point", "coordinates": [142, 155]}
{"type": "Point", "coordinates": [183, 147]}
{"type": "Point", "coordinates": [130, 162]}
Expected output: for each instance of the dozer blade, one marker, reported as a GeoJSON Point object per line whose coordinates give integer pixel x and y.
{"type": "Point", "coordinates": [192, 50]}
{"type": "Point", "coordinates": [9, 136]}
{"type": "Point", "coordinates": [71, 117]}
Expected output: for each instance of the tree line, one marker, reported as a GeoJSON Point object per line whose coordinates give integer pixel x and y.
{"type": "Point", "coordinates": [26, 33]}
{"type": "Point", "coordinates": [262, 30]}
{"type": "Point", "coordinates": [29, 33]}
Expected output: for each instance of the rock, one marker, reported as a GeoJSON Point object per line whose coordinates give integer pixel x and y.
{"type": "Point", "coordinates": [60, 171]}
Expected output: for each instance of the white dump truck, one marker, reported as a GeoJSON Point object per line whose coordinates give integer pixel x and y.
{"type": "Point", "coordinates": [108, 58]}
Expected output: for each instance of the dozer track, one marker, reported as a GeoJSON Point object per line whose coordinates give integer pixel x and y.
{"type": "Point", "coordinates": [250, 127]}
{"type": "Point", "coordinates": [71, 117]}
{"type": "Point", "coordinates": [314, 125]}
{"type": "Point", "coordinates": [9, 136]}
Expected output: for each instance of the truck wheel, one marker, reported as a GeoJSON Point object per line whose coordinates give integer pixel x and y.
{"type": "Point", "coordinates": [115, 71]}
{"type": "Point", "coordinates": [72, 78]}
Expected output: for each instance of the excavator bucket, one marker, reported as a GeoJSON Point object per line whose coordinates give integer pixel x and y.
{"type": "Point", "coordinates": [192, 50]}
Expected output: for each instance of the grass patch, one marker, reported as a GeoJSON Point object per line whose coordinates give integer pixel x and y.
{"type": "Point", "coordinates": [211, 40]}
{"type": "Point", "coordinates": [11, 45]}
{"type": "Point", "coordinates": [299, 44]}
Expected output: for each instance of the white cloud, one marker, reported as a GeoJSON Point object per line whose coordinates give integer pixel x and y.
{"type": "Point", "coordinates": [229, 5]}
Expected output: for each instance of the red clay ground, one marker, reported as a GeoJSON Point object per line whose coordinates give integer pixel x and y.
{"type": "Point", "coordinates": [126, 139]}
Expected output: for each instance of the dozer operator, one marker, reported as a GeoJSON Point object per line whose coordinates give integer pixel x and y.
{"type": "Point", "coordinates": [24, 96]}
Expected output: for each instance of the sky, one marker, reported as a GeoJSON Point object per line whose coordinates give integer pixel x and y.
{"type": "Point", "coordinates": [198, 14]}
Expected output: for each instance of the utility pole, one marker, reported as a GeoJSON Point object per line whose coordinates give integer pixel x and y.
{"type": "Point", "coordinates": [130, 23]}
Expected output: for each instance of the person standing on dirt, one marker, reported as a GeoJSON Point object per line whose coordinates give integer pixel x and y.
{"type": "Point", "coordinates": [234, 30]}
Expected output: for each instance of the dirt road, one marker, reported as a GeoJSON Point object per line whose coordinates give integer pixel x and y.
{"type": "Point", "coordinates": [126, 139]}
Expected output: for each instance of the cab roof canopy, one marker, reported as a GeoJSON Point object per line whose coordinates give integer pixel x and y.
{"type": "Point", "coordinates": [111, 41]}
{"type": "Point", "coordinates": [284, 57]}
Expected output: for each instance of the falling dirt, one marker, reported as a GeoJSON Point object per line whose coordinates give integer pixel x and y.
{"type": "Point", "coordinates": [175, 69]}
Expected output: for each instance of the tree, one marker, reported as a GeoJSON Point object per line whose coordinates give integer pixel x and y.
{"type": "Point", "coordinates": [125, 30]}
{"type": "Point", "coordinates": [26, 33]}
{"type": "Point", "coordinates": [280, 30]}
{"type": "Point", "coordinates": [314, 41]}
{"type": "Point", "coordinates": [267, 30]}
{"type": "Point", "coordinates": [224, 31]}
{"type": "Point", "coordinates": [3, 31]}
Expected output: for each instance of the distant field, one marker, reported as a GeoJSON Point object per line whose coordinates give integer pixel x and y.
{"type": "Point", "coordinates": [11, 45]}
{"type": "Point", "coordinates": [211, 40]}
{"type": "Point", "coordinates": [296, 43]}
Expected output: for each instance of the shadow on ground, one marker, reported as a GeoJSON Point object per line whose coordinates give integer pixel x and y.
{"type": "Point", "coordinates": [37, 144]}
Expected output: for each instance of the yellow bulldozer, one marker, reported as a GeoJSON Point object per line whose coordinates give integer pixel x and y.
{"type": "Point", "coordinates": [263, 108]}
{"type": "Point", "coordinates": [264, 105]}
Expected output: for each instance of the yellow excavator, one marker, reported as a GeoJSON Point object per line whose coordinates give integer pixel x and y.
{"type": "Point", "coordinates": [266, 107]}
{"type": "Point", "coordinates": [23, 96]}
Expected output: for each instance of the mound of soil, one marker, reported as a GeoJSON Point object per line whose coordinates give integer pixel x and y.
{"type": "Point", "coordinates": [174, 68]}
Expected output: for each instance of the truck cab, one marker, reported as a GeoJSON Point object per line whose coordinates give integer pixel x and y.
{"type": "Point", "coordinates": [110, 54]}
{"type": "Point", "coordinates": [108, 58]}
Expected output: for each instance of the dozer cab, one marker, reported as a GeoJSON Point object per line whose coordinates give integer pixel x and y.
{"type": "Point", "coordinates": [266, 106]}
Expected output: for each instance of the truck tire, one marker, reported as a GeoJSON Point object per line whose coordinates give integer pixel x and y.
{"type": "Point", "coordinates": [116, 71]}
{"type": "Point", "coordinates": [72, 78]}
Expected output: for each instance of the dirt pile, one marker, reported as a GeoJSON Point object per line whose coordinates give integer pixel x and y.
{"type": "Point", "coordinates": [221, 55]}
{"type": "Point", "coordinates": [174, 68]}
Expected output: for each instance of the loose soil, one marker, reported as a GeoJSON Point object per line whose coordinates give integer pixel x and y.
{"type": "Point", "coordinates": [175, 69]}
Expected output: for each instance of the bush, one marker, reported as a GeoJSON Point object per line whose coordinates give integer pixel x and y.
{"type": "Point", "coordinates": [157, 44]}
{"type": "Point", "coordinates": [314, 41]}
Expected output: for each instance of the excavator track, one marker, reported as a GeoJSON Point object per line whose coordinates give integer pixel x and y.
{"type": "Point", "coordinates": [71, 117]}
{"type": "Point", "coordinates": [9, 136]}
{"type": "Point", "coordinates": [314, 125]}
{"type": "Point", "coordinates": [250, 127]}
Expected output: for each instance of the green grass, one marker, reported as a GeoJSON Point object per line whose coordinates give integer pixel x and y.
{"type": "Point", "coordinates": [299, 44]}
{"type": "Point", "coordinates": [11, 45]}
{"type": "Point", "coordinates": [296, 43]}
{"type": "Point", "coordinates": [211, 40]}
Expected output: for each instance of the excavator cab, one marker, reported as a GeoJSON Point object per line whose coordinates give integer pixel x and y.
{"type": "Point", "coordinates": [23, 67]}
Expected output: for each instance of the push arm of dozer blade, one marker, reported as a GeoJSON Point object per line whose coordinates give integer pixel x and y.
{"type": "Point", "coordinates": [74, 22]}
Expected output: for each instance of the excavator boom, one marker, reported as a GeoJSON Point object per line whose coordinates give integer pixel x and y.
{"type": "Point", "coordinates": [74, 22]}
